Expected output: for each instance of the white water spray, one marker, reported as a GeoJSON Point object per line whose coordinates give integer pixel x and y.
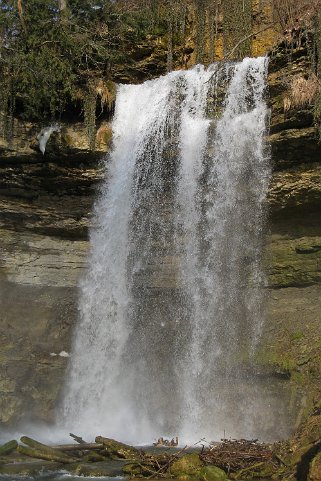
{"type": "Point", "coordinates": [171, 304]}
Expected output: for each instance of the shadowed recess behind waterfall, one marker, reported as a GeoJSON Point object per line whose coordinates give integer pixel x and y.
{"type": "Point", "coordinates": [172, 303]}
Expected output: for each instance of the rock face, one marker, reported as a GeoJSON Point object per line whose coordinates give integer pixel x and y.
{"type": "Point", "coordinates": [45, 211]}
{"type": "Point", "coordinates": [315, 470]}
{"type": "Point", "coordinates": [293, 254]}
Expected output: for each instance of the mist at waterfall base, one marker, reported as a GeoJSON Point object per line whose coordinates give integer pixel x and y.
{"type": "Point", "coordinates": [172, 305]}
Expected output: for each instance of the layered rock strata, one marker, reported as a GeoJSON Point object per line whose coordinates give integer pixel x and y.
{"type": "Point", "coordinates": [45, 211]}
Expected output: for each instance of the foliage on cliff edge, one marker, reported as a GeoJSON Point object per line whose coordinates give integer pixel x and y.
{"type": "Point", "coordinates": [60, 56]}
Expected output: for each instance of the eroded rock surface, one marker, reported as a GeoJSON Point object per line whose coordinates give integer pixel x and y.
{"type": "Point", "coordinates": [290, 342]}
{"type": "Point", "coordinates": [46, 209]}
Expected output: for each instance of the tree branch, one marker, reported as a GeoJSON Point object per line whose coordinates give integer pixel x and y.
{"type": "Point", "coordinates": [244, 39]}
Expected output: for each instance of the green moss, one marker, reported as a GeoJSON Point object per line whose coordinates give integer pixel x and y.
{"type": "Point", "coordinates": [281, 363]}
{"type": "Point", "coordinates": [186, 465]}
{"type": "Point", "coordinates": [257, 471]}
{"type": "Point", "coordinates": [188, 477]}
{"type": "Point", "coordinates": [212, 473]}
{"type": "Point", "coordinates": [133, 469]}
{"type": "Point", "coordinates": [294, 262]}
{"type": "Point", "coordinates": [95, 469]}
{"type": "Point", "coordinates": [298, 377]}
{"type": "Point", "coordinates": [295, 336]}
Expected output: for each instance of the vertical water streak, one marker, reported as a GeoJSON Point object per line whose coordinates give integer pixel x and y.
{"type": "Point", "coordinates": [99, 389]}
{"type": "Point", "coordinates": [171, 303]}
{"type": "Point", "coordinates": [222, 277]}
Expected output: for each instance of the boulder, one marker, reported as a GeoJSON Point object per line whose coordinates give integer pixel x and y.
{"type": "Point", "coordinates": [315, 469]}
{"type": "Point", "coordinates": [212, 473]}
{"type": "Point", "coordinates": [188, 465]}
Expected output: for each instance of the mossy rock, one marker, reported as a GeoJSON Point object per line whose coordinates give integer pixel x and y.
{"type": "Point", "coordinates": [189, 477]}
{"type": "Point", "coordinates": [212, 473]}
{"type": "Point", "coordinates": [256, 471]}
{"type": "Point", "coordinates": [95, 469]}
{"type": "Point", "coordinates": [29, 468]}
{"type": "Point", "coordinates": [189, 464]}
{"type": "Point", "coordinates": [133, 469]}
{"type": "Point", "coordinates": [300, 453]}
{"type": "Point", "coordinates": [315, 469]}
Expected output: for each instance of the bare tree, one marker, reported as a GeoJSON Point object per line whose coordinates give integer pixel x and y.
{"type": "Point", "coordinates": [20, 13]}
{"type": "Point", "coordinates": [289, 13]}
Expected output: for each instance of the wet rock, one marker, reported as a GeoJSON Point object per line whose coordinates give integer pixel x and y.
{"type": "Point", "coordinates": [295, 190]}
{"type": "Point", "coordinates": [132, 469]}
{"type": "Point", "coordinates": [288, 267]}
{"type": "Point", "coordinates": [115, 448]}
{"type": "Point", "coordinates": [315, 469]}
{"type": "Point", "coordinates": [212, 473]}
{"type": "Point", "coordinates": [188, 465]}
{"type": "Point", "coordinates": [293, 135]}
{"type": "Point", "coordinates": [96, 469]}
{"type": "Point", "coordinates": [10, 405]}
{"type": "Point", "coordinates": [257, 471]}
{"type": "Point", "coordinates": [29, 469]}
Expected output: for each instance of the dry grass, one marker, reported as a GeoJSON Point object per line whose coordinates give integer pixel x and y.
{"type": "Point", "coordinates": [106, 91]}
{"type": "Point", "coordinates": [302, 92]}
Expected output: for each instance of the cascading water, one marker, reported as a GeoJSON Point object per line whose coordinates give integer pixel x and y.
{"type": "Point", "coordinates": [172, 302]}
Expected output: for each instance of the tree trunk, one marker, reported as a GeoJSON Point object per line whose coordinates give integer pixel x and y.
{"type": "Point", "coordinates": [48, 452]}
{"type": "Point", "coordinates": [39, 454]}
{"type": "Point", "coordinates": [8, 447]}
{"type": "Point", "coordinates": [120, 450]}
{"type": "Point", "coordinates": [79, 447]}
{"type": "Point", "coordinates": [20, 13]}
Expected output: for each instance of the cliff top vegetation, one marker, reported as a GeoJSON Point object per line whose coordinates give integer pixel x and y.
{"type": "Point", "coordinates": [60, 56]}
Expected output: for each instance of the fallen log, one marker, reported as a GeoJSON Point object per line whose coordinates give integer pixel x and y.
{"type": "Point", "coordinates": [36, 453]}
{"type": "Point", "coordinates": [93, 457]}
{"type": "Point", "coordinates": [78, 439]}
{"type": "Point", "coordinates": [8, 447]}
{"type": "Point", "coordinates": [115, 448]}
{"type": "Point", "coordinates": [43, 448]}
{"type": "Point", "coordinates": [79, 447]}
{"type": "Point", "coordinates": [27, 470]}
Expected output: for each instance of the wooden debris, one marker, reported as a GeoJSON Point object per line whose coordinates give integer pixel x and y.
{"type": "Point", "coordinates": [77, 438]}
{"type": "Point", "coordinates": [79, 447]}
{"type": "Point", "coordinates": [153, 466]}
{"type": "Point", "coordinates": [161, 442]}
{"type": "Point", "coordinates": [232, 455]}
{"type": "Point", "coordinates": [7, 448]}
{"type": "Point", "coordinates": [115, 448]}
{"type": "Point", "coordinates": [42, 451]}
{"type": "Point", "coordinates": [36, 453]}
{"type": "Point", "coordinates": [149, 466]}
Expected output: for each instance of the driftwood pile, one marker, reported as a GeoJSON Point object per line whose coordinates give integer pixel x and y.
{"type": "Point", "coordinates": [101, 450]}
{"type": "Point", "coordinates": [234, 455]}
{"type": "Point", "coordinates": [230, 455]}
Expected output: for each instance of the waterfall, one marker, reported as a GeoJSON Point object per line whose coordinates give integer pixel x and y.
{"type": "Point", "coordinates": [172, 303]}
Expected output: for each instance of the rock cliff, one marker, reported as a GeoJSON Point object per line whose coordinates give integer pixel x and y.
{"type": "Point", "coordinates": [45, 212]}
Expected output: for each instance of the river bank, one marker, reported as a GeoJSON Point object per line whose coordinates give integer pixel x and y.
{"type": "Point", "coordinates": [298, 458]}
